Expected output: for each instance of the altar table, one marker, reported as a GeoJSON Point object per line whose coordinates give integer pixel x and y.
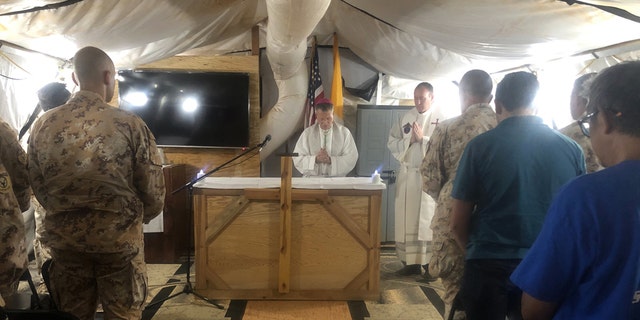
{"type": "Point", "coordinates": [250, 245]}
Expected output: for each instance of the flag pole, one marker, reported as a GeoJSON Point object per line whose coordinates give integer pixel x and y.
{"type": "Point", "coordinates": [336, 84]}
{"type": "Point", "coordinates": [309, 112]}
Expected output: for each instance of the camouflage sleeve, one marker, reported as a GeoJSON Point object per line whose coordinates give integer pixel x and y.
{"type": "Point", "coordinates": [36, 178]}
{"type": "Point", "coordinates": [147, 174]}
{"type": "Point", "coordinates": [432, 167]}
{"type": "Point", "coordinates": [15, 161]}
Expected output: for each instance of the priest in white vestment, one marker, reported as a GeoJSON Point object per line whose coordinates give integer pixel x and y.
{"type": "Point", "coordinates": [325, 149]}
{"type": "Point", "coordinates": [414, 209]}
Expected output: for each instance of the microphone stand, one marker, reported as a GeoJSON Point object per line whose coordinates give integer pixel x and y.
{"type": "Point", "coordinates": [194, 181]}
{"type": "Point", "coordinates": [188, 288]}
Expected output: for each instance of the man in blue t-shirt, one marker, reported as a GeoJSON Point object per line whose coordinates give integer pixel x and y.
{"type": "Point", "coordinates": [585, 263]}
{"type": "Point", "coordinates": [506, 180]}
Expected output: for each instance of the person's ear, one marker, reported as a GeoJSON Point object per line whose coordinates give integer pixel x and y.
{"type": "Point", "coordinates": [501, 112]}
{"type": "Point", "coordinates": [489, 98]}
{"type": "Point", "coordinates": [606, 120]}
{"type": "Point", "coordinates": [73, 77]}
{"type": "Point", "coordinates": [499, 107]}
{"type": "Point", "coordinates": [108, 77]}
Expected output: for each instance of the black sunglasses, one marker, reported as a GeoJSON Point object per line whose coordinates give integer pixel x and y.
{"type": "Point", "coordinates": [584, 122]}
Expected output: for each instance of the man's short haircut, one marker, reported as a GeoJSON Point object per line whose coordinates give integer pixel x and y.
{"type": "Point", "coordinates": [616, 92]}
{"type": "Point", "coordinates": [579, 84]}
{"type": "Point", "coordinates": [425, 85]}
{"type": "Point", "coordinates": [50, 96]}
{"type": "Point", "coordinates": [324, 107]}
{"type": "Point", "coordinates": [477, 83]}
{"type": "Point", "coordinates": [517, 90]}
{"type": "Point", "coordinates": [53, 95]}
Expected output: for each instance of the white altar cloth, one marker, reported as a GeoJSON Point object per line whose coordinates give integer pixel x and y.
{"type": "Point", "coordinates": [358, 183]}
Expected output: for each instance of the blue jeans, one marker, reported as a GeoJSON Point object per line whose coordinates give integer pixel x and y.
{"type": "Point", "coordinates": [487, 293]}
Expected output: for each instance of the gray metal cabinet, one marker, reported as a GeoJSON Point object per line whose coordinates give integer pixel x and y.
{"type": "Point", "coordinates": [373, 123]}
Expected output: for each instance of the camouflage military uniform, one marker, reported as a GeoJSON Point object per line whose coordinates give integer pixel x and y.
{"type": "Point", "coordinates": [438, 173]}
{"type": "Point", "coordinates": [40, 251]}
{"type": "Point", "coordinates": [574, 132]}
{"type": "Point", "coordinates": [97, 172]}
{"type": "Point", "coordinates": [14, 199]}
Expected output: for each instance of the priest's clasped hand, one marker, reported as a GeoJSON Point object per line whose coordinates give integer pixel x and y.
{"type": "Point", "coordinates": [323, 157]}
{"type": "Point", "coordinates": [416, 133]}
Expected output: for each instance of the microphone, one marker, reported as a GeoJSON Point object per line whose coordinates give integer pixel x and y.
{"type": "Point", "coordinates": [264, 142]}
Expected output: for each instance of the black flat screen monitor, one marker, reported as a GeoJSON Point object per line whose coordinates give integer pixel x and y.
{"type": "Point", "coordinates": [189, 109]}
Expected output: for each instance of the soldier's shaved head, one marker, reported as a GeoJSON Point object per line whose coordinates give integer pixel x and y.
{"type": "Point", "coordinates": [93, 70]}
{"type": "Point", "coordinates": [477, 83]}
{"type": "Point", "coordinates": [475, 87]}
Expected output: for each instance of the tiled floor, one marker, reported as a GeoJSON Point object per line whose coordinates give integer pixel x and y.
{"type": "Point", "coordinates": [404, 298]}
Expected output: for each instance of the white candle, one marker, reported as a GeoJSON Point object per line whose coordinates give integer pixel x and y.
{"type": "Point", "coordinates": [375, 178]}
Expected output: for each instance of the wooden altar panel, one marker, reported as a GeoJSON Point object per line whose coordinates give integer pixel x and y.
{"type": "Point", "coordinates": [334, 249]}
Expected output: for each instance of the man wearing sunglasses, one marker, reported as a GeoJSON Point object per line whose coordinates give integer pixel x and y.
{"type": "Point", "coordinates": [585, 264]}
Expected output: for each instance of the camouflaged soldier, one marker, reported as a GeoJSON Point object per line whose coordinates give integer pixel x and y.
{"type": "Point", "coordinates": [14, 199]}
{"type": "Point", "coordinates": [97, 172]}
{"type": "Point", "coordinates": [578, 106]}
{"type": "Point", "coordinates": [439, 169]}
{"type": "Point", "coordinates": [52, 95]}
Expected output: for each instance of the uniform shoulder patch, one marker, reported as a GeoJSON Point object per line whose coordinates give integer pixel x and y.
{"type": "Point", "coordinates": [5, 182]}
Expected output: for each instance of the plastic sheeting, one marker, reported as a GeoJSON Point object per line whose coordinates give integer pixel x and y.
{"type": "Point", "coordinates": [290, 24]}
{"type": "Point", "coordinates": [405, 38]}
{"type": "Point", "coordinates": [133, 32]}
{"type": "Point", "coordinates": [434, 39]}
{"type": "Point", "coordinates": [18, 91]}
{"type": "Point", "coordinates": [631, 6]}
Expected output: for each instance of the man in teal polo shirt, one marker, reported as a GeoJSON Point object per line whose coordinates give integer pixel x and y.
{"type": "Point", "coordinates": [506, 180]}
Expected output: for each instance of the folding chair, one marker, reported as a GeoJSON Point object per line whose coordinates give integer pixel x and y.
{"type": "Point", "coordinates": [38, 312]}
{"type": "Point", "coordinates": [35, 298]}
{"type": "Point", "coordinates": [8, 314]}
{"type": "Point", "coordinates": [455, 306]}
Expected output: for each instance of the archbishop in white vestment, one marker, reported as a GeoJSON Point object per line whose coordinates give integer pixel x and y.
{"type": "Point", "coordinates": [325, 148]}
{"type": "Point", "coordinates": [414, 209]}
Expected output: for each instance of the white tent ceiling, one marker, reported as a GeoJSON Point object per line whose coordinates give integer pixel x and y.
{"type": "Point", "coordinates": [413, 39]}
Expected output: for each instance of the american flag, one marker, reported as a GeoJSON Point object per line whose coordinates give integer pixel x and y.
{"type": "Point", "coordinates": [315, 91]}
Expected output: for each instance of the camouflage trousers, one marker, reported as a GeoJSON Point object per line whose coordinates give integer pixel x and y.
{"type": "Point", "coordinates": [447, 263]}
{"type": "Point", "coordinates": [80, 280]}
{"type": "Point", "coordinates": [40, 251]}
{"type": "Point", "coordinates": [13, 261]}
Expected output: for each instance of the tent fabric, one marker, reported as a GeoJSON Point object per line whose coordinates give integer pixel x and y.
{"type": "Point", "coordinates": [408, 39]}
{"type": "Point", "coordinates": [291, 24]}
{"type": "Point", "coordinates": [133, 32]}
{"type": "Point", "coordinates": [439, 38]}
